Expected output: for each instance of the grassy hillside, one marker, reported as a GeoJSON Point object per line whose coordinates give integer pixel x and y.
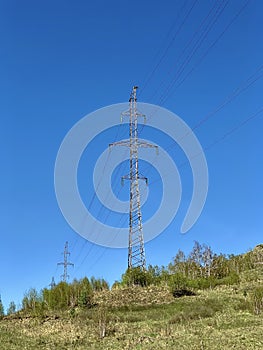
{"type": "Point", "coordinates": [136, 317]}
{"type": "Point", "coordinates": [213, 319]}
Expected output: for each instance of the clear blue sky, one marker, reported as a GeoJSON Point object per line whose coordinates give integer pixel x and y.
{"type": "Point", "coordinates": [61, 60]}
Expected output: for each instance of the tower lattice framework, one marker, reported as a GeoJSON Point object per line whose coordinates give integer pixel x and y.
{"type": "Point", "coordinates": [136, 250]}
{"type": "Point", "coordinates": [65, 263]}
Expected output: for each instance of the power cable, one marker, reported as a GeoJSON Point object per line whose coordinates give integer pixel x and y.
{"type": "Point", "coordinates": [167, 49]}
{"type": "Point", "coordinates": [207, 51]}
{"type": "Point", "coordinates": [196, 46]}
{"type": "Point", "coordinates": [188, 44]}
{"type": "Point", "coordinates": [252, 79]}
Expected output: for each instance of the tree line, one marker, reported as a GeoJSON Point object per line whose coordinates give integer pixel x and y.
{"type": "Point", "coordinates": [61, 296]}
{"type": "Point", "coordinates": [200, 269]}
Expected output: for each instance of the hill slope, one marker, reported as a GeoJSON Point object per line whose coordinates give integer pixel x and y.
{"type": "Point", "coordinates": [213, 319]}
{"type": "Point", "coordinates": [224, 317]}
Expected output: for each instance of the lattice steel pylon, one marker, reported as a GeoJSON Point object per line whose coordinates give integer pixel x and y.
{"type": "Point", "coordinates": [65, 263]}
{"type": "Point", "coordinates": [136, 250]}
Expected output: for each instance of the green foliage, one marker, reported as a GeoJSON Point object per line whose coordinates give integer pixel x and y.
{"type": "Point", "coordinates": [178, 281]}
{"type": "Point", "coordinates": [201, 269]}
{"type": "Point", "coordinates": [99, 284]}
{"type": "Point", "coordinates": [136, 276]}
{"type": "Point", "coordinates": [202, 283]}
{"type": "Point", "coordinates": [11, 309]}
{"type": "Point", "coordinates": [31, 300]}
{"type": "Point", "coordinates": [63, 296]}
{"type": "Point", "coordinates": [220, 318]}
{"type": "Point", "coordinates": [82, 315]}
{"type": "Point", "coordinates": [59, 297]}
{"type": "Point", "coordinates": [85, 294]}
{"type": "Point", "coordinates": [231, 279]}
{"type": "Point", "coordinates": [204, 269]}
{"type": "Point", "coordinates": [179, 285]}
{"type": "Point", "coordinates": [154, 275]}
{"type": "Point", "coordinates": [116, 285]}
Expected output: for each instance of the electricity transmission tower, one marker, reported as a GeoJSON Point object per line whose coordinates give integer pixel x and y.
{"type": "Point", "coordinates": [65, 263]}
{"type": "Point", "coordinates": [136, 251]}
{"type": "Point", "coordinates": [53, 283]}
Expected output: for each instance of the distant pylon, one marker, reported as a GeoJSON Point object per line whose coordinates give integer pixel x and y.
{"type": "Point", "coordinates": [136, 251]}
{"type": "Point", "coordinates": [65, 263]}
{"type": "Point", "coordinates": [52, 283]}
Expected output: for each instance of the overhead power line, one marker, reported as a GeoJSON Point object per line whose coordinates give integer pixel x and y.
{"type": "Point", "coordinates": [208, 23]}
{"type": "Point", "coordinates": [168, 93]}
{"type": "Point", "coordinates": [168, 47]}
{"type": "Point", "coordinates": [221, 138]}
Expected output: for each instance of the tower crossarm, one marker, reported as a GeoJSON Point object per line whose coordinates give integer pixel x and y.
{"type": "Point", "coordinates": [139, 143]}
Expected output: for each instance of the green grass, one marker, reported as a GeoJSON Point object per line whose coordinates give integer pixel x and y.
{"type": "Point", "coordinates": [216, 319]}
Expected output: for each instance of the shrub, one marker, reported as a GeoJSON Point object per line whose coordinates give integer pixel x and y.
{"type": "Point", "coordinates": [179, 285]}
{"type": "Point", "coordinates": [202, 283]}
{"type": "Point", "coordinates": [232, 278]}
{"type": "Point", "coordinates": [136, 276]}
{"type": "Point", "coordinates": [178, 281]}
